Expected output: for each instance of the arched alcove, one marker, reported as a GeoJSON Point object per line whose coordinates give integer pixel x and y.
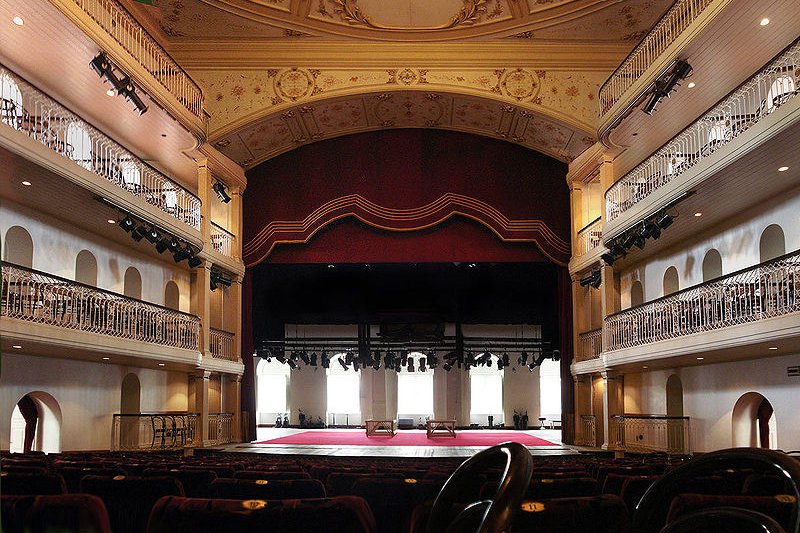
{"type": "Point", "coordinates": [772, 243]}
{"type": "Point", "coordinates": [753, 422]}
{"type": "Point", "coordinates": [86, 268]}
{"type": "Point", "coordinates": [129, 404]}
{"type": "Point", "coordinates": [712, 265]}
{"type": "Point", "coordinates": [133, 283]}
{"type": "Point", "coordinates": [36, 423]}
{"type": "Point", "coordinates": [18, 247]}
{"type": "Point", "coordinates": [172, 296]}
{"type": "Point", "coordinates": [637, 293]}
{"type": "Point", "coordinates": [671, 284]}
{"type": "Point", "coordinates": [676, 435]}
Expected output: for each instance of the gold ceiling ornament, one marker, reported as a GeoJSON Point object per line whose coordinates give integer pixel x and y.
{"type": "Point", "coordinates": [350, 12]}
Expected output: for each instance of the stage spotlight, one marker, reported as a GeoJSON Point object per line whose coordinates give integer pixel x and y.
{"type": "Point", "coordinates": [593, 280]}
{"type": "Point", "coordinates": [410, 364]}
{"type": "Point", "coordinates": [376, 363]}
{"type": "Point", "coordinates": [195, 261]}
{"type": "Point", "coordinates": [506, 360]}
{"type": "Point", "coordinates": [664, 220]}
{"type": "Point", "coordinates": [664, 86]}
{"type": "Point", "coordinates": [629, 241]}
{"type": "Point", "coordinates": [422, 364]}
{"type": "Point", "coordinates": [326, 362]}
{"type": "Point", "coordinates": [500, 364]}
{"type": "Point", "coordinates": [291, 364]}
{"type": "Point", "coordinates": [523, 358]}
{"type": "Point", "coordinates": [128, 90]}
{"type": "Point", "coordinates": [313, 359]}
{"type": "Point", "coordinates": [556, 355]}
{"type": "Point", "coordinates": [280, 357]}
{"type": "Point", "coordinates": [127, 223]}
{"type": "Point", "coordinates": [180, 255]}
{"type": "Point", "coordinates": [100, 64]}
{"type": "Point", "coordinates": [304, 357]}
{"type": "Point", "coordinates": [447, 366]}
{"type": "Point", "coordinates": [138, 232]}
{"type": "Point", "coordinates": [652, 101]}
{"type": "Point", "coordinates": [153, 235]}
{"type": "Point", "coordinates": [222, 193]}
{"type": "Point", "coordinates": [342, 362]}
{"type": "Point", "coordinates": [608, 258]}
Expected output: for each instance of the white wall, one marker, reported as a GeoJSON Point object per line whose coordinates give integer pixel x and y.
{"type": "Point", "coordinates": [711, 391]}
{"type": "Point", "coordinates": [737, 241]}
{"type": "Point", "coordinates": [56, 246]}
{"type": "Point", "coordinates": [88, 394]}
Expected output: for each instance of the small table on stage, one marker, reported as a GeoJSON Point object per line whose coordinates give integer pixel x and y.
{"type": "Point", "coordinates": [380, 428]}
{"type": "Point", "coordinates": [441, 428]}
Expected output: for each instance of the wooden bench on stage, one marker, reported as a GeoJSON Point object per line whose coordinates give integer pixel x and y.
{"type": "Point", "coordinates": [380, 428]}
{"type": "Point", "coordinates": [441, 428]}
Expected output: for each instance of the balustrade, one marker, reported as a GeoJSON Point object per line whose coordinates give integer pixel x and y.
{"type": "Point", "coordinates": [46, 299]}
{"type": "Point", "coordinates": [587, 435]}
{"type": "Point", "coordinates": [750, 103]}
{"type": "Point", "coordinates": [651, 433]}
{"type": "Point", "coordinates": [764, 291]}
{"type": "Point", "coordinates": [153, 431]}
{"type": "Point", "coordinates": [678, 18]}
{"type": "Point", "coordinates": [221, 345]}
{"type": "Point", "coordinates": [222, 240]}
{"type": "Point", "coordinates": [220, 428]}
{"type": "Point", "coordinates": [29, 110]}
{"type": "Point", "coordinates": [590, 345]}
{"type": "Point", "coordinates": [120, 25]}
{"type": "Point", "coordinates": [588, 238]}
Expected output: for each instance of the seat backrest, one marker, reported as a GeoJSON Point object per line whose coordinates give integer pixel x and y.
{"type": "Point", "coordinates": [393, 500]}
{"type": "Point", "coordinates": [342, 514]}
{"type": "Point", "coordinates": [597, 514]}
{"type": "Point", "coordinates": [269, 475]}
{"type": "Point", "coordinates": [85, 513]}
{"type": "Point", "coordinates": [779, 508]}
{"type": "Point", "coordinates": [21, 483]}
{"type": "Point", "coordinates": [263, 489]}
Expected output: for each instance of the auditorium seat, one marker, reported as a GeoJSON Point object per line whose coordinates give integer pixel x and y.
{"type": "Point", "coordinates": [393, 500]}
{"type": "Point", "coordinates": [74, 474]}
{"type": "Point", "coordinates": [341, 514]}
{"type": "Point", "coordinates": [220, 470]}
{"type": "Point", "coordinates": [13, 510]}
{"type": "Point", "coordinates": [129, 499]}
{"type": "Point", "coordinates": [727, 519]}
{"type": "Point", "coordinates": [341, 483]}
{"type": "Point", "coordinates": [779, 508]}
{"type": "Point", "coordinates": [272, 475]}
{"type": "Point", "coordinates": [62, 513]}
{"type": "Point", "coordinates": [551, 488]}
{"type": "Point", "coordinates": [32, 483]}
{"type": "Point", "coordinates": [764, 485]}
{"type": "Point", "coordinates": [634, 488]}
{"type": "Point", "coordinates": [196, 483]}
{"type": "Point", "coordinates": [246, 489]}
{"type": "Point", "coordinates": [597, 514]}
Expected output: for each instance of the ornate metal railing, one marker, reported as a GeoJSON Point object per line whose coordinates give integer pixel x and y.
{"type": "Point", "coordinates": [771, 87]}
{"type": "Point", "coordinates": [120, 25]}
{"type": "Point", "coordinates": [663, 34]}
{"type": "Point", "coordinates": [220, 428]}
{"type": "Point", "coordinates": [29, 110]}
{"type": "Point", "coordinates": [46, 299]}
{"type": "Point", "coordinates": [764, 291]}
{"type": "Point", "coordinates": [590, 345]}
{"type": "Point", "coordinates": [651, 433]}
{"type": "Point", "coordinates": [587, 435]}
{"type": "Point", "coordinates": [222, 240]}
{"type": "Point", "coordinates": [154, 431]}
{"type": "Point", "coordinates": [221, 345]}
{"type": "Point", "coordinates": [588, 238]}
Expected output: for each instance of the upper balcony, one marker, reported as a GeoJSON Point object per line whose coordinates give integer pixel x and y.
{"type": "Point", "coordinates": [587, 246]}
{"type": "Point", "coordinates": [44, 131]}
{"type": "Point", "coordinates": [744, 119]}
{"type": "Point", "coordinates": [737, 315]}
{"type": "Point", "coordinates": [60, 317]}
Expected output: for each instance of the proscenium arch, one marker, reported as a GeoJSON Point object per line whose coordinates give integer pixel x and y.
{"type": "Point", "coordinates": [579, 130]}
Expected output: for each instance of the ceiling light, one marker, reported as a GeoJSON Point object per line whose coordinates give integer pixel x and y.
{"type": "Point", "coordinates": [700, 358]}
{"type": "Point", "coordinates": [698, 214]}
{"type": "Point", "coordinates": [783, 169]}
{"type": "Point", "coordinates": [17, 347]}
{"type": "Point", "coordinates": [106, 358]}
{"type": "Point", "coordinates": [773, 347]}
{"type": "Point", "coordinates": [691, 85]}
{"type": "Point", "coordinates": [26, 183]}
{"type": "Point", "coordinates": [111, 92]}
{"type": "Point", "coordinates": [18, 21]}
{"type": "Point", "coordinates": [111, 221]}
{"type": "Point", "coordinates": [644, 367]}
{"type": "Point", "coordinates": [764, 21]}
{"type": "Point", "coordinates": [161, 364]}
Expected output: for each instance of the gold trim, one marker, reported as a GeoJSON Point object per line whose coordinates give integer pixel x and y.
{"type": "Point", "coordinates": [350, 13]}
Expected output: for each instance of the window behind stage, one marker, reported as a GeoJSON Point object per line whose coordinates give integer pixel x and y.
{"type": "Point", "coordinates": [486, 394]}
{"type": "Point", "coordinates": [415, 395]}
{"type": "Point", "coordinates": [344, 394]}
{"type": "Point", "coordinates": [273, 382]}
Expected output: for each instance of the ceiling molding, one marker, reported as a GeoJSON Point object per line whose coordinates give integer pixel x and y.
{"type": "Point", "coordinates": [195, 54]}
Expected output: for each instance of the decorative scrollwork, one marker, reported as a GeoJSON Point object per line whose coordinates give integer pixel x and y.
{"type": "Point", "coordinates": [350, 13]}
{"type": "Point", "coordinates": [469, 14]}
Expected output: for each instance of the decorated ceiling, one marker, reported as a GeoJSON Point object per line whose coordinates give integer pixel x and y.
{"type": "Point", "coordinates": [278, 74]}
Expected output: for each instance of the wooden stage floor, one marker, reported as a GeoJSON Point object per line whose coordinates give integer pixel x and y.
{"type": "Point", "coordinates": [263, 434]}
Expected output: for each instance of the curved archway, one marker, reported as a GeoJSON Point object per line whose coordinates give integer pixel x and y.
{"type": "Point", "coordinates": [670, 284]}
{"type": "Point", "coordinates": [172, 296]}
{"type": "Point", "coordinates": [133, 283]}
{"type": "Point", "coordinates": [86, 268]}
{"type": "Point", "coordinates": [753, 422]}
{"type": "Point", "coordinates": [129, 404]}
{"type": "Point", "coordinates": [36, 423]}
{"type": "Point", "coordinates": [637, 293]}
{"type": "Point", "coordinates": [18, 247]}
{"type": "Point", "coordinates": [772, 243]}
{"type": "Point", "coordinates": [712, 265]}
{"type": "Point", "coordinates": [272, 387]}
{"type": "Point", "coordinates": [675, 428]}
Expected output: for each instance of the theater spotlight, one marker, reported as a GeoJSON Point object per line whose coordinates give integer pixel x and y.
{"type": "Point", "coordinates": [666, 84]}
{"type": "Point", "coordinates": [291, 364]}
{"type": "Point", "coordinates": [343, 363]}
{"type": "Point", "coordinates": [326, 362]}
{"type": "Point", "coordinates": [523, 358]}
{"type": "Point", "coordinates": [664, 220]}
{"type": "Point", "coordinates": [593, 280]}
{"type": "Point", "coordinates": [153, 236]}
{"type": "Point", "coordinates": [138, 233]}
{"type": "Point", "coordinates": [128, 90]}
{"type": "Point", "coordinates": [447, 366]}
{"type": "Point", "coordinates": [312, 359]}
{"type": "Point", "coordinates": [100, 64]}
{"type": "Point", "coordinates": [194, 261]}
{"type": "Point", "coordinates": [127, 223]}
{"type": "Point", "coordinates": [222, 193]}
{"type": "Point", "coordinates": [608, 258]}
{"type": "Point", "coordinates": [421, 364]}
{"type": "Point", "coordinates": [161, 245]}
{"type": "Point", "coordinates": [304, 358]}
{"type": "Point", "coordinates": [181, 254]}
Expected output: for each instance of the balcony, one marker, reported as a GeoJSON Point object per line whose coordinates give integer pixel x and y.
{"type": "Point", "coordinates": [726, 305]}
{"type": "Point", "coordinates": [221, 345]}
{"type": "Point", "coordinates": [168, 78]}
{"type": "Point", "coordinates": [48, 123]}
{"type": "Point", "coordinates": [590, 346]}
{"type": "Point", "coordinates": [588, 238]}
{"type": "Point", "coordinates": [679, 17]}
{"type": "Point", "coordinates": [667, 171]}
{"type": "Point", "coordinates": [36, 297]}
{"type": "Point", "coordinates": [222, 240]}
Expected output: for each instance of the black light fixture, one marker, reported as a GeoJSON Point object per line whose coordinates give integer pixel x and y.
{"type": "Point", "coordinates": [127, 223]}
{"type": "Point", "coordinates": [100, 64]}
{"type": "Point", "coordinates": [664, 220]}
{"type": "Point", "coordinates": [343, 363]}
{"type": "Point", "coordinates": [666, 84]}
{"type": "Point", "coordinates": [324, 360]}
{"type": "Point", "coordinates": [194, 261]}
{"type": "Point", "coordinates": [161, 245]}
{"type": "Point", "coordinates": [128, 90]}
{"type": "Point", "coordinates": [138, 233]}
{"type": "Point", "coordinates": [422, 364]}
{"type": "Point", "coordinates": [154, 236]}
{"type": "Point", "coordinates": [122, 84]}
{"type": "Point", "coordinates": [217, 278]}
{"type": "Point", "coordinates": [222, 193]}
{"type": "Point", "coordinates": [447, 366]}
{"type": "Point", "coordinates": [592, 280]}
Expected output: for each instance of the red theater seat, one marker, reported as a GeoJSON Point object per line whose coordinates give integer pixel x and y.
{"type": "Point", "coordinates": [342, 514]}
{"type": "Point", "coordinates": [246, 489]}
{"type": "Point", "coordinates": [62, 513]}
{"type": "Point", "coordinates": [28, 483]}
{"type": "Point", "coordinates": [779, 508]}
{"type": "Point", "coordinates": [598, 514]}
{"type": "Point", "coordinates": [270, 475]}
{"type": "Point", "coordinates": [393, 500]}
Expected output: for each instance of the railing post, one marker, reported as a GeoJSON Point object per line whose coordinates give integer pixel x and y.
{"type": "Point", "coordinates": [612, 405]}
{"type": "Point", "coordinates": [198, 401]}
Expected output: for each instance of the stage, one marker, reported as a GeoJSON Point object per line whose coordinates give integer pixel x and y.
{"type": "Point", "coordinates": [407, 443]}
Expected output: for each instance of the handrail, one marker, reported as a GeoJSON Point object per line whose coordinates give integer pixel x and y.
{"type": "Point", "coordinates": [764, 92]}
{"type": "Point", "coordinates": [589, 225]}
{"type": "Point", "coordinates": [591, 345]}
{"type": "Point", "coordinates": [589, 238]}
{"type": "Point", "coordinates": [650, 432]}
{"type": "Point", "coordinates": [126, 30]}
{"type": "Point", "coordinates": [29, 294]}
{"type": "Point", "coordinates": [658, 39]}
{"type": "Point", "coordinates": [154, 431]}
{"type": "Point", "coordinates": [220, 428]}
{"type": "Point", "coordinates": [221, 345]}
{"type": "Point", "coordinates": [763, 291]}
{"type": "Point", "coordinates": [222, 240]}
{"type": "Point", "coordinates": [650, 416]}
{"type": "Point", "coordinates": [217, 226]}
{"type": "Point", "coordinates": [27, 109]}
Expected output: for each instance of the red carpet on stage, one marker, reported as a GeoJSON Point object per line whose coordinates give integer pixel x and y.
{"type": "Point", "coordinates": [408, 438]}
